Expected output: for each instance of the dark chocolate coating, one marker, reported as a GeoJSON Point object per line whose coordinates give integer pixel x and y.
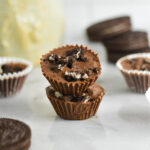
{"type": "Point", "coordinates": [109, 28]}
{"type": "Point", "coordinates": [128, 42]}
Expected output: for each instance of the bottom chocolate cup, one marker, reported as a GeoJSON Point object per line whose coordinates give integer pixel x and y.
{"type": "Point", "coordinates": [75, 110]}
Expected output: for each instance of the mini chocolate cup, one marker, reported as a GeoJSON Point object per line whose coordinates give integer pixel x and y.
{"type": "Point", "coordinates": [74, 87]}
{"type": "Point", "coordinates": [137, 80]}
{"type": "Point", "coordinates": [12, 83]}
{"type": "Point", "coordinates": [75, 110]}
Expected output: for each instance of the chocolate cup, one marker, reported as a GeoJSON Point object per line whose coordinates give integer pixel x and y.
{"type": "Point", "coordinates": [70, 88]}
{"type": "Point", "coordinates": [138, 81]}
{"type": "Point", "coordinates": [75, 110]}
{"type": "Point", "coordinates": [12, 83]}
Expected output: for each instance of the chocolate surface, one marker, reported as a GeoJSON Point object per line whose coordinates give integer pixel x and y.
{"type": "Point", "coordinates": [109, 28]}
{"type": "Point", "coordinates": [128, 42]}
{"type": "Point", "coordinates": [71, 63]}
{"type": "Point", "coordinates": [139, 63]}
{"type": "Point", "coordinates": [14, 135]}
{"type": "Point", "coordinates": [92, 93]}
{"type": "Point", "coordinates": [12, 67]}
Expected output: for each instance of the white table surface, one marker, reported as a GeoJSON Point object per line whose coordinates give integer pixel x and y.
{"type": "Point", "coordinates": [123, 119]}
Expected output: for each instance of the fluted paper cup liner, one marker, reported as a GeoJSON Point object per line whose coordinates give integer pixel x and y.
{"type": "Point", "coordinates": [74, 87]}
{"type": "Point", "coordinates": [12, 83]}
{"type": "Point", "coordinates": [135, 79]}
{"type": "Point", "coordinates": [75, 110]}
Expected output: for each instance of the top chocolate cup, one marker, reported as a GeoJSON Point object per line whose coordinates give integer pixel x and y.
{"type": "Point", "coordinates": [71, 69]}
{"type": "Point", "coordinates": [109, 28]}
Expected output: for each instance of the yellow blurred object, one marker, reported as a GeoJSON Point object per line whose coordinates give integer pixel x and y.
{"type": "Point", "coordinates": [30, 28]}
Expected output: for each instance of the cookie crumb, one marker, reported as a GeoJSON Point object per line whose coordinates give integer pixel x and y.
{"type": "Point", "coordinates": [58, 95]}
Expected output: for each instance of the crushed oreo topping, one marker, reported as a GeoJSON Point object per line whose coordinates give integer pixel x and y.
{"type": "Point", "coordinates": [75, 76]}
{"type": "Point", "coordinates": [60, 67]}
{"type": "Point", "coordinates": [78, 53]}
{"type": "Point", "coordinates": [58, 94]}
{"type": "Point", "coordinates": [59, 61]}
{"type": "Point", "coordinates": [72, 52]}
{"type": "Point", "coordinates": [54, 58]}
{"type": "Point", "coordinates": [83, 98]}
{"type": "Point", "coordinates": [51, 88]}
{"type": "Point", "coordinates": [70, 62]}
{"type": "Point", "coordinates": [96, 70]}
{"type": "Point", "coordinates": [71, 56]}
{"type": "Point", "coordinates": [63, 62]}
{"type": "Point", "coordinates": [85, 76]}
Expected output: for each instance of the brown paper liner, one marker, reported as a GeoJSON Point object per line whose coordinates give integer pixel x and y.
{"type": "Point", "coordinates": [138, 82]}
{"type": "Point", "coordinates": [11, 86]}
{"type": "Point", "coordinates": [70, 88]}
{"type": "Point", "coordinates": [75, 110]}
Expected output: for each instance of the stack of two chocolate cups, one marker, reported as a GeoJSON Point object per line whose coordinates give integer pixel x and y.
{"type": "Point", "coordinates": [72, 72]}
{"type": "Point", "coordinates": [117, 36]}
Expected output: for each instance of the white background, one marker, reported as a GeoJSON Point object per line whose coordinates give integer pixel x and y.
{"type": "Point", "coordinates": [123, 119]}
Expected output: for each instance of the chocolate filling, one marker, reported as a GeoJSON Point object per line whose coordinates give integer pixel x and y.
{"type": "Point", "coordinates": [12, 67]}
{"type": "Point", "coordinates": [76, 54]}
{"type": "Point", "coordinates": [140, 63]}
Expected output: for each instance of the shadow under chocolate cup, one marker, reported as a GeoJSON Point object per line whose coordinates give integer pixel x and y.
{"type": "Point", "coordinates": [137, 80]}
{"type": "Point", "coordinates": [70, 87]}
{"type": "Point", "coordinates": [75, 110]}
{"type": "Point", "coordinates": [12, 83]}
